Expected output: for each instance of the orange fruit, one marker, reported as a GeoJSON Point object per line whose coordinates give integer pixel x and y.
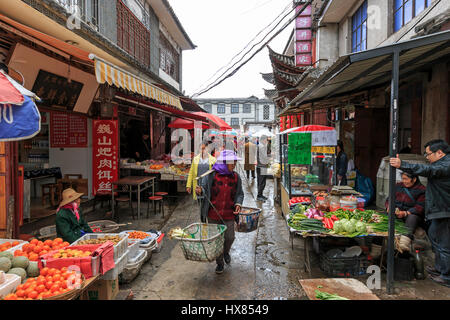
{"type": "Point", "coordinates": [57, 277]}
{"type": "Point", "coordinates": [29, 290]}
{"type": "Point", "coordinates": [40, 243]}
{"type": "Point", "coordinates": [31, 248]}
{"type": "Point", "coordinates": [54, 288]}
{"type": "Point", "coordinates": [64, 269]}
{"type": "Point", "coordinates": [37, 249]}
{"type": "Point", "coordinates": [25, 247]}
{"type": "Point", "coordinates": [10, 296]}
{"type": "Point", "coordinates": [51, 272]}
{"type": "Point", "coordinates": [49, 278]}
{"type": "Point", "coordinates": [48, 242]}
{"type": "Point", "coordinates": [34, 241]}
{"type": "Point", "coordinates": [58, 240]}
{"type": "Point", "coordinates": [15, 243]}
{"type": "Point", "coordinates": [65, 244]}
{"type": "Point", "coordinates": [43, 252]}
{"type": "Point", "coordinates": [18, 253]}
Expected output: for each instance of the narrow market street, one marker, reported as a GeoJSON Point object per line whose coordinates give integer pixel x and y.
{"type": "Point", "coordinates": [263, 266]}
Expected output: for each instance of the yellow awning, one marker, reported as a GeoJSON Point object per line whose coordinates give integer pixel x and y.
{"type": "Point", "coordinates": [107, 72]}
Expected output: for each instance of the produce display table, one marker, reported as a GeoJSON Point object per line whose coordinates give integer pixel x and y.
{"type": "Point", "coordinates": [86, 285]}
{"type": "Point", "coordinates": [347, 288]}
{"type": "Point", "coordinates": [308, 237]}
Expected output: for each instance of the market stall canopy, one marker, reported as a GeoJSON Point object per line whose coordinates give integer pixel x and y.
{"type": "Point", "coordinates": [186, 124]}
{"type": "Point", "coordinates": [113, 75]}
{"type": "Point", "coordinates": [19, 116]}
{"type": "Point", "coordinates": [223, 126]}
{"type": "Point", "coordinates": [321, 135]}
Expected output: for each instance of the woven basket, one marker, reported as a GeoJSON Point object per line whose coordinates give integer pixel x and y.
{"type": "Point", "coordinates": [69, 295]}
{"type": "Point", "coordinates": [205, 243]}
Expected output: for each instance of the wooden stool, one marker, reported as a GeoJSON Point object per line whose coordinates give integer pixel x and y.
{"type": "Point", "coordinates": [49, 190]}
{"type": "Point", "coordinates": [121, 200]}
{"type": "Point", "coordinates": [155, 199]}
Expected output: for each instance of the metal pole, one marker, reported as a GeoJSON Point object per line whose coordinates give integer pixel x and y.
{"type": "Point", "coordinates": [392, 171]}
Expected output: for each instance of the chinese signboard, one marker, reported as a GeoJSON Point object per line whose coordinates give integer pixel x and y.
{"type": "Point", "coordinates": [68, 130]}
{"type": "Point", "coordinates": [303, 36]}
{"type": "Point", "coordinates": [57, 91]}
{"type": "Point", "coordinates": [105, 151]}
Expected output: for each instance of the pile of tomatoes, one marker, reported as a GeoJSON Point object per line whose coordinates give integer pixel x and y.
{"type": "Point", "coordinates": [8, 245]}
{"type": "Point", "coordinates": [51, 282]}
{"type": "Point", "coordinates": [36, 248]}
{"type": "Point", "coordinates": [138, 235]}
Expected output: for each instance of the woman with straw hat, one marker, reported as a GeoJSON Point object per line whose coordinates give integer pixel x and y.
{"type": "Point", "coordinates": [70, 225]}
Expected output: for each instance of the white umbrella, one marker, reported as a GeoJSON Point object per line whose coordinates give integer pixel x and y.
{"type": "Point", "coordinates": [263, 132]}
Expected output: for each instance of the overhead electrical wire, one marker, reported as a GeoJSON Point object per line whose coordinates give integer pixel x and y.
{"type": "Point", "coordinates": [213, 85]}
{"type": "Point", "coordinates": [247, 45]}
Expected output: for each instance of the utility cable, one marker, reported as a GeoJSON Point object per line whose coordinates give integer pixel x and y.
{"type": "Point", "coordinates": [246, 46]}
{"type": "Point", "coordinates": [254, 54]}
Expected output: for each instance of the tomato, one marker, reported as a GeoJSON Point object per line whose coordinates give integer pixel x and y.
{"type": "Point", "coordinates": [57, 277]}
{"type": "Point", "coordinates": [58, 240]}
{"type": "Point", "coordinates": [20, 293]}
{"type": "Point", "coordinates": [51, 272]}
{"type": "Point", "coordinates": [41, 288]}
{"type": "Point", "coordinates": [63, 269]}
{"type": "Point", "coordinates": [33, 294]}
{"type": "Point", "coordinates": [34, 241]}
{"type": "Point", "coordinates": [31, 248]}
{"type": "Point", "coordinates": [28, 291]}
{"type": "Point", "coordinates": [49, 285]}
{"type": "Point", "coordinates": [48, 242]}
{"type": "Point", "coordinates": [54, 288]}
{"type": "Point", "coordinates": [11, 296]}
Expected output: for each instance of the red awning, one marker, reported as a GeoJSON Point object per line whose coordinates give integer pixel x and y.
{"type": "Point", "coordinates": [223, 126]}
{"type": "Point", "coordinates": [8, 93]}
{"type": "Point", "coordinates": [55, 43]}
{"type": "Point", "coordinates": [185, 124]}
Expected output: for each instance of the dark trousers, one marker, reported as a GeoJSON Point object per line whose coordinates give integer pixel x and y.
{"type": "Point", "coordinates": [229, 238]}
{"type": "Point", "coordinates": [439, 234]}
{"type": "Point", "coordinates": [412, 222]}
{"type": "Point", "coordinates": [261, 182]}
{"type": "Point", "coordinates": [248, 173]}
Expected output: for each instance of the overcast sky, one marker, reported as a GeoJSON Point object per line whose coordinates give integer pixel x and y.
{"type": "Point", "coordinates": [221, 29]}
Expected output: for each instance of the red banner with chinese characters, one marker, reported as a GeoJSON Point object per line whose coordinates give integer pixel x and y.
{"type": "Point", "coordinates": [303, 36]}
{"type": "Point", "coordinates": [105, 151]}
{"type": "Point", "coordinates": [68, 130]}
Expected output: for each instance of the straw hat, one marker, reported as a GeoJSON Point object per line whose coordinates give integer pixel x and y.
{"type": "Point", "coordinates": [69, 195]}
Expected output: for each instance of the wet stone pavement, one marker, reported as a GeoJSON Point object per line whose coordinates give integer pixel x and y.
{"type": "Point", "coordinates": [263, 266]}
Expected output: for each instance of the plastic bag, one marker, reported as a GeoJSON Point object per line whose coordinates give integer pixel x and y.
{"type": "Point", "coordinates": [365, 186]}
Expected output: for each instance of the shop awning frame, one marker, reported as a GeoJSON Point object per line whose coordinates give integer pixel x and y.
{"type": "Point", "coordinates": [372, 68]}
{"type": "Point", "coordinates": [114, 75]}
{"type": "Point", "coordinates": [157, 107]}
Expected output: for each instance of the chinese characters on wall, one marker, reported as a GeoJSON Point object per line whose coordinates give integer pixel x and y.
{"type": "Point", "coordinates": [303, 36]}
{"type": "Point", "coordinates": [68, 130]}
{"type": "Point", "coordinates": [105, 155]}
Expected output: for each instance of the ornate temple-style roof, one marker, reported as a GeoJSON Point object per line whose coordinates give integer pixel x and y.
{"type": "Point", "coordinates": [268, 77]}
{"type": "Point", "coordinates": [285, 62]}
{"type": "Point", "coordinates": [271, 93]}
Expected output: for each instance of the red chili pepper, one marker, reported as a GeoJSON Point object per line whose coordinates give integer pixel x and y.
{"type": "Point", "coordinates": [334, 218]}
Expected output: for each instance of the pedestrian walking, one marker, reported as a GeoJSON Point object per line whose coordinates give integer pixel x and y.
{"type": "Point", "coordinates": [250, 158]}
{"type": "Point", "coordinates": [437, 204]}
{"type": "Point", "coordinates": [223, 188]}
{"type": "Point", "coordinates": [261, 167]}
{"type": "Point", "coordinates": [201, 163]}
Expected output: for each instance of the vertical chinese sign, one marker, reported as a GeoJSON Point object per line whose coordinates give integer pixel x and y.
{"type": "Point", "coordinates": [303, 36]}
{"type": "Point", "coordinates": [105, 151]}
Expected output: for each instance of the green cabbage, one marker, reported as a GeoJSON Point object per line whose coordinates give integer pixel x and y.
{"type": "Point", "coordinates": [349, 226]}
{"type": "Point", "coordinates": [338, 227]}
{"type": "Point", "coordinates": [353, 220]}
{"type": "Point", "coordinates": [343, 220]}
{"type": "Point", "coordinates": [361, 227]}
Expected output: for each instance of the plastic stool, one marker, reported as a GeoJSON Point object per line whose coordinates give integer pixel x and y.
{"type": "Point", "coordinates": [155, 199]}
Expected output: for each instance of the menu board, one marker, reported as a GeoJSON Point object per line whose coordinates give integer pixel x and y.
{"type": "Point", "coordinates": [300, 148]}
{"type": "Point", "coordinates": [68, 130]}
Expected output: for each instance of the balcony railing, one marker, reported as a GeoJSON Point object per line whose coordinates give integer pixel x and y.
{"type": "Point", "coordinates": [90, 14]}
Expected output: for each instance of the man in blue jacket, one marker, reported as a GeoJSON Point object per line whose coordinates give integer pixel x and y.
{"type": "Point", "coordinates": [437, 204]}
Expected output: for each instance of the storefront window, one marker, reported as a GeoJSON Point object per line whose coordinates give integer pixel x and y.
{"type": "Point", "coordinates": [406, 10]}
{"type": "Point", "coordinates": [359, 29]}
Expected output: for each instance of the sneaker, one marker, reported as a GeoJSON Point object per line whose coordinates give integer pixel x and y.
{"type": "Point", "coordinates": [440, 281]}
{"type": "Point", "coordinates": [265, 197]}
{"type": "Point", "coordinates": [227, 258]}
{"type": "Point", "coordinates": [219, 268]}
{"type": "Point", "coordinates": [432, 270]}
{"type": "Point", "coordinates": [260, 199]}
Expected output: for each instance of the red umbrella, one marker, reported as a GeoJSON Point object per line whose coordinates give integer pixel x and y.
{"type": "Point", "coordinates": [185, 124]}
{"type": "Point", "coordinates": [223, 126]}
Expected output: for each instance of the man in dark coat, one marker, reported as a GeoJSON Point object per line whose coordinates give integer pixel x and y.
{"type": "Point", "coordinates": [341, 164]}
{"type": "Point", "coordinates": [437, 204]}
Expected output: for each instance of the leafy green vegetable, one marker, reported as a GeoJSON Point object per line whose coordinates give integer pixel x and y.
{"type": "Point", "coordinates": [361, 227]}
{"type": "Point", "coordinates": [328, 296]}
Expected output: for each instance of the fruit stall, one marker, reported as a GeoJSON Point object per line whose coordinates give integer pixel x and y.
{"type": "Point", "coordinates": [91, 268]}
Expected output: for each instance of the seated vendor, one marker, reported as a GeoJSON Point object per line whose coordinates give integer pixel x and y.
{"type": "Point", "coordinates": [409, 204]}
{"type": "Point", "coordinates": [70, 224]}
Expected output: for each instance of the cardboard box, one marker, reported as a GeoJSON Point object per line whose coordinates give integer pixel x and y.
{"type": "Point", "coordinates": [102, 290]}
